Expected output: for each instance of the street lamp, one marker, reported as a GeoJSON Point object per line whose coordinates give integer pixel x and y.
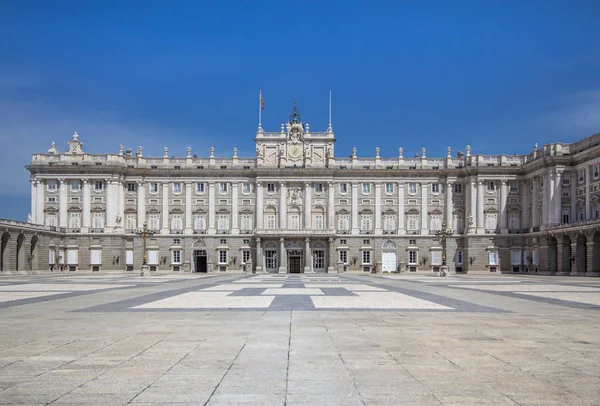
{"type": "Point", "coordinates": [443, 234]}
{"type": "Point", "coordinates": [144, 232]}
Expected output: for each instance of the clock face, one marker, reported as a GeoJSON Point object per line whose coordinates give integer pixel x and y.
{"type": "Point", "coordinates": [295, 151]}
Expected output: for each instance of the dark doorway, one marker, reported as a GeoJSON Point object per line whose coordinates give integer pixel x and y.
{"type": "Point", "coordinates": [295, 261]}
{"type": "Point", "coordinates": [200, 261]}
{"type": "Point", "coordinates": [552, 255]}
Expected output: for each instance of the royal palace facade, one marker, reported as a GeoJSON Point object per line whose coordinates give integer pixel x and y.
{"type": "Point", "coordinates": [296, 207]}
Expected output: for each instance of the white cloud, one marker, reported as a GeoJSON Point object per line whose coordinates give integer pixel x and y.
{"type": "Point", "coordinates": [30, 127]}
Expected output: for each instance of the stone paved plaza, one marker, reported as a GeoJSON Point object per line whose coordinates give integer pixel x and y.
{"type": "Point", "coordinates": [314, 339]}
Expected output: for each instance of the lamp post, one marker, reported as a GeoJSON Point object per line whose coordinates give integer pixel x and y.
{"type": "Point", "coordinates": [144, 232]}
{"type": "Point", "coordinates": [443, 234]}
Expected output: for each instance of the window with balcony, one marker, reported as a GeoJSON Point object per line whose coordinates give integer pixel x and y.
{"type": "Point", "coordinates": [200, 223]}
{"type": "Point", "coordinates": [154, 221]}
{"type": "Point", "coordinates": [176, 223]}
{"type": "Point", "coordinates": [366, 223]}
{"type": "Point", "coordinates": [343, 222]}
{"type": "Point", "coordinates": [223, 222]}
{"type": "Point", "coordinates": [75, 221]}
{"type": "Point", "coordinates": [412, 223]}
{"type": "Point", "coordinates": [130, 221]}
{"type": "Point", "coordinates": [246, 223]}
{"type": "Point", "coordinates": [389, 223]}
{"type": "Point", "coordinates": [98, 221]}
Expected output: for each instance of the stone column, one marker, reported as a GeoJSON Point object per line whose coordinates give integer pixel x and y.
{"type": "Point", "coordinates": [259, 209]}
{"type": "Point", "coordinates": [111, 204]}
{"type": "Point", "coordinates": [525, 193]}
{"type": "Point", "coordinates": [588, 208]}
{"type": "Point", "coordinates": [62, 203]}
{"type": "Point", "coordinates": [260, 261]}
{"type": "Point", "coordinates": [282, 206]}
{"type": "Point", "coordinates": [331, 206]}
{"type": "Point", "coordinates": [307, 264]}
{"type": "Point", "coordinates": [354, 208]}
{"type": "Point", "coordinates": [557, 197]}
{"type": "Point", "coordinates": [121, 208]}
{"type": "Point", "coordinates": [86, 206]}
{"type": "Point", "coordinates": [480, 200]}
{"type": "Point", "coordinates": [235, 228]}
{"type": "Point", "coordinates": [41, 187]}
{"type": "Point", "coordinates": [472, 212]}
{"type": "Point", "coordinates": [332, 257]}
{"type": "Point", "coordinates": [282, 256]}
{"type": "Point", "coordinates": [377, 208]}
{"type": "Point", "coordinates": [449, 217]}
{"type": "Point", "coordinates": [401, 227]}
{"type": "Point", "coordinates": [188, 208]}
{"type": "Point", "coordinates": [33, 208]}
{"type": "Point", "coordinates": [502, 207]}
{"type": "Point", "coordinates": [574, 197]}
{"type": "Point", "coordinates": [546, 199]}
{"type": "Point", "coordinates": [141, 204]}
{"type": "Point", "coordinates": [535, 214]}
{"type": "Point", "coordinates": [165, 208]}
{"type": "Point", "coordinates": [307, 206]}
{"type": "Point", "coordinates": [211, 208]}
{"type": "Point", "coordinates": [424, 226]}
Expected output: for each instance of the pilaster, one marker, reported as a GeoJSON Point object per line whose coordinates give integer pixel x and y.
{"type": "Point", "coordinates": [62, 203]}
{"type": "Point", "coordinates": [235, 228]}
{"type": "Point", "coordinates": [259, 213]}
{"type": "Point", "coordinates": [165, 208]}
{"type": "Point", "coordinates": [401, 227]}
{"type": "Point", "coordinates": [282, 256]}
{"type": "Point", "coordinates": [282, 206]}
{"type": "Point", "coordinates": [307, 205]}
{"type": "Point", "coordinates": [424, 211]}
{"type": "Point", "coordinates": [331, 206]}
{"type": "Point", "coordinates": [502, 207]}
{"type": "Point", "coordinates": [86, 205]}
{"type": "Point", "coordinates": [354, 208]}
{"type": "Point", "coordinates": [377, 208]}
{"type": "Point", "coordinates": [480, 201]}
{"type": "Point", "coordinates": [141, 204]}
{"type": "Point", "coordinates": [188, 208]}
{"type": "Point", "coordinates": [211, 208]}
{"type": "Point", "coordinates": [448, 211]}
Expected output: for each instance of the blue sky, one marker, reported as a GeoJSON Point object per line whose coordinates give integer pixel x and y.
{"type": "Point", "coordinates": [498, 75]}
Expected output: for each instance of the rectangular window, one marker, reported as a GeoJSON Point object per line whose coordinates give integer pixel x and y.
{"type": "Point", "coordinates": [200, 222]}
{"type": "Point", "coordinates": [412, 223]}
{"type": "Point", "coordinates": [223, 187]}
{"type": "Point", "coordinates": [366, 221]}
{"type": "Point", "coordinates": [177, 256]}
{"type": "Point", "coordinates": [153, 188]}
{"type": "Point", "coordinates": [343, 188]}
{"type": "Point", "coordinates": [344, 257]}
{"type": "Point", "coordinates": [98, 186]}
{"type": "Point", "coordinates": [51, 185]}
{"type": "Point", "coordinates": [223, 257]}
{"type": "Point", "coordinates": [246, 188]}
{"type": "Point", "coordinates": [344, 222]}
{"type": "Point", "coordinates": [223, 222]}
{"type": "Point", "coordinates": [366, 188]}
{"type": "Point", "coordinates": [435, 188]}
{"type": "Point", "coordinates": [271, 222]}
{"type": "Point", "coordinates": [51, 220]}
{"type": "Point", "coordinates": [176, 222]}
{"type": "Point", "coordinates": [435, 222]}
{"type": "Point", "coordinates": [493, 258]}
{"type": "Point", "coordinates": [458, 188]}
{"type": "Point", "coordinates": [412, 242]}
{"type": "Point", "coordinates": [199, 188]}
{"type": "Point", "coordinates": [515, 257]}
{"type": "Point", "coordinates": [412, 188]}
{"type": "Point", "coordinates": [366, 257]}
{"type": "Point", "coordinates": [223, 241]}
{"type": "Point", "coordinates": [490, 186]}
{"type": "Point", "coordinates": [177, 188]}
{"type": "Point", "coordinates": [389, 222]}
{"type": "Point", "coordinates": [566, 180]}
{"type": "Point", "coordinates": [294, 223]}
{"type": "Point", "coordinates": [389, 188]}
{"type": "Point", "coordinates": [366, 242]}
{"type": "Point", "coordinates": [436, 258]}
{"type": "Point", "coordinates": [75, 186]}
{"type": "Point", "coordinates": [130, 221]}
{"type": "Point", "coordinates": [581, 176]}
{"type": "Point", "coordinates": [245, 256]}
{"type": "Point", "coordinates": [596, 171]}
{"type": "Point", "coordinates": [51, 199]}
{"type": "Point", "coordinates": [154, 221]}
{"type": "Point", "coordinates": [246, 222]}
{"type": "Point", "coordinates": [318, 188]}
{"type": "Point", "coordinates": [271, 259]}
{"type": "Point", "coordinates": [74, 220]}
{"type": "Point", "coordinates": [412, 257]}
{"type": "Point", "coordinates": [270, 188]}
{"type": "Point", "coordinates": [318, 223]}
{"type": "Point", "coordinates": [343, 241]}
{"type": "Point", "coordinates": [566, 218]}
{"type": "Point", "coordinates": [131, 187]}
{"type": "Point", "coordinates": [98, 221]}
{"type": "Point", "coordinates": [459, 258]}
{"type": "Point", "coordinates": [514, 186]}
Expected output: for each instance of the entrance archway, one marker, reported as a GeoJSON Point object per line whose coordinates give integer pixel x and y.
{"type": "Point", "coordinates": [388, 257]}
{"type": "Point", "coordinates": [566, 254]}
{"type": "Point", "coordinates": [552, 255]}
{"type": "Point", "coordinates": [5, 253]}
{"type": "Point", "coordinates": [318, 251]}
{"type": "Point", "coordinates": [596, 253]}
{"type": "Point", "coordinates": [33, 257]}
{"type": "Point", "coordinates": [581, 254]}
{"type": "Point", "coordinates": [199, 257]}
{"type": "Point", "coordinates": [20, 253]}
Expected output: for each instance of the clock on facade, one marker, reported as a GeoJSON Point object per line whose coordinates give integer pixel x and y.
{"type": "Point", "coordinates": [295, 151]}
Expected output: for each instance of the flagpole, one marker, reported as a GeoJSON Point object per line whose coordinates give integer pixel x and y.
{"type": "Point", "coordinates": [330, 110]}
{"type": "Point", "coordinates": [260, 109]}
